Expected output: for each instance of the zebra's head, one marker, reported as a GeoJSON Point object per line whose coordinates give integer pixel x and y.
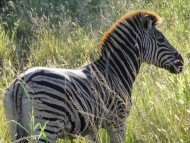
{"type": "Point", "coordinates": [156, 48]}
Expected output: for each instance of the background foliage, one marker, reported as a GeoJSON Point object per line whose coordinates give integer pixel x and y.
{"type": "Point", "coordinates": [66, 34]}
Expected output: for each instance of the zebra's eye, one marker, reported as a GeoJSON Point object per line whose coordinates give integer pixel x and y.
{"type": "Point", "coordinates": [160, 39]}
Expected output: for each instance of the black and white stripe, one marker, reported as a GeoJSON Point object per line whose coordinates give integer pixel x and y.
{"type": "Point", "coordinates": [71, 103]}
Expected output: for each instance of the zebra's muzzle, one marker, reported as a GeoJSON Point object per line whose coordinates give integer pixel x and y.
{"type": "Point", "coordinates": [176, 66]}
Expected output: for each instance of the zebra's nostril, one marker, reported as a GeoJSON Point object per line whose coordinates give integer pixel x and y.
{"type": "Point", "coordinates": [178, 56]}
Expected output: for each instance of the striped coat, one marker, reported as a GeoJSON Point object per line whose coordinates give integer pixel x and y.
{"type": "Point", "coordinates": [51, 102]}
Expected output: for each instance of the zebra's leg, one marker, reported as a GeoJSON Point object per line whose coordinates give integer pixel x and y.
{"type": "Point", "coordinates": [39, 130]}
{"type": "Point", "coordinates": [117, 134]}
{"type": "Point", "coordinates": [9, 110]}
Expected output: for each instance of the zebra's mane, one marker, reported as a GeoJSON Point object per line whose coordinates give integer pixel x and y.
{"type": "Point", "coordinates": [155, 18]}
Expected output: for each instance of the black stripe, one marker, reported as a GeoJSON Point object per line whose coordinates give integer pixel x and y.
{"type": "Point", "coordinates": [49, 111]}
{"type": "Point", "coordinates": [54, 96]}
{"type": "Point", "coordinates": [40, 72]}
{"type": "Point", "coordinates": [50, 85]}
{"type": "Point", "coordinates": [82, 122]}
{"type": "Point", "coordinates": [43, 72]}
{"type": "Point", "coordinates": [43, 140]}
{"type": "Point", "coordinates": [49, 131]}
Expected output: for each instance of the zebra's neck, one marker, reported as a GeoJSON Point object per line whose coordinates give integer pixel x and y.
{"type": "Point", "coordinates": [121, 59]}
{"type": "Point", "coordinates": [118, 74]}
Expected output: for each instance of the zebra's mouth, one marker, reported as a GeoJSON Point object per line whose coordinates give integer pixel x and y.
{"type": "Point", "coordinates": [175, 67]}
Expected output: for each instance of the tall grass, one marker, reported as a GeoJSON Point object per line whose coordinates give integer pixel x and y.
{"type": "Point", "coordinates": [66, 34]}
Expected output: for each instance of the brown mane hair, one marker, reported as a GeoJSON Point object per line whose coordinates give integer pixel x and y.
{"type": "Point", "coordinates": [155, 18]}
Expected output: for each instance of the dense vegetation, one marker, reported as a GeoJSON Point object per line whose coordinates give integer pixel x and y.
{"type": "Point", "coordinates": [61, 33]}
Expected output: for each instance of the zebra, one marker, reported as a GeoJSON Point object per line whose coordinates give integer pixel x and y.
{"type": "Point", "coordinates": [51, 103]}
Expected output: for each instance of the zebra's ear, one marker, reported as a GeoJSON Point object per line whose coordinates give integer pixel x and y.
{"type": "Point", "coordinates": [146, 23]}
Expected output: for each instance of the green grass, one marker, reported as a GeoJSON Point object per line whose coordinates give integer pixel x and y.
{"type": "Point", "coordinates": [67, 35]}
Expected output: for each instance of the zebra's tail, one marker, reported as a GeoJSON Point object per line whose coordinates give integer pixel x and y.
{"type": "Point", "coordinates": [12, 108]}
